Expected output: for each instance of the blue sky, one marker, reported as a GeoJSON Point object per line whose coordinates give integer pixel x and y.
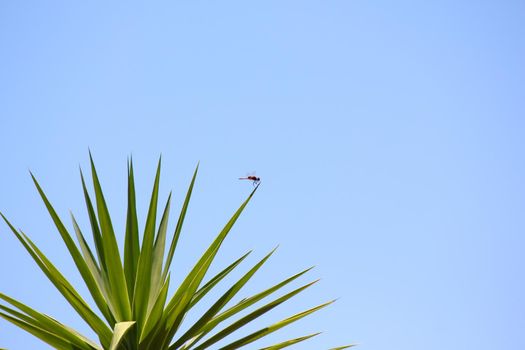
{"type": "Point", "coordinates": [389, 136]}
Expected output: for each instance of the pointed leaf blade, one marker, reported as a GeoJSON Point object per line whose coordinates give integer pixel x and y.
{"type": "Point", "coordinates": [270, 329]}
{"type": "Point", "coordinates": [131, 245]}
{"type": "Point", "coordinates": [216, 279]}
{"type": "Point", "coordinates": [121, 328]}
{"type": "Point", "coordinates": [244, 304]}
{"type": "Point", "coordinates": [142, 282]}
{"type": "Point", "coordinates": [49, 338]}
{"type": "Point", "coordinates": [290, 342]}
{"type": "Point", "coordinates": [80, 263]}
{"type": "Point", "coordinates": [63, 286]}
{"type": "Point", "coordinates": [251, 316]}
{"type": "Point", "coordinates": [48, 324]}
{"type": "Point", "coordinates": [115, 271]}
{"type": "Point", "coordinates": [220, 303]}
{"type": "Point", "coordinates": [180, 301]}
{"type": "Point", "coordinates": [156, 280]}
{"type": "Point", "coordinates": [180, 222]}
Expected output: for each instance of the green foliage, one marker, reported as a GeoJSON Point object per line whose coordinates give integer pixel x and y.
{"type": "Point", "coordinates": [132, 297]}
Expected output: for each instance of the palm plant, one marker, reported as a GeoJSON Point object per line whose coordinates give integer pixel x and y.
{"type": "Point", "coordinates": [135, 312]}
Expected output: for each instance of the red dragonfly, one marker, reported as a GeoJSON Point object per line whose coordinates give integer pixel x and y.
{"type": "Point", "coordinates": [255, 179]}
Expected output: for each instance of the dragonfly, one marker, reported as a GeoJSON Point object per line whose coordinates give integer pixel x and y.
{"type": "Point", "coordinates": [252, 177]}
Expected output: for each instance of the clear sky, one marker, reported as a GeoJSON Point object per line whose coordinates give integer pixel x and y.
{"type": "Point", "coordinates": [389, 136]}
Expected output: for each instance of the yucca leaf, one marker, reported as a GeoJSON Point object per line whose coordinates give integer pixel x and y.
{"type": "Point", "coordinates": [216, 279]}
{"type": "Point", "coordinates": [119, 291]}
{"type": "Point", "coordinates": [251, 316]}
{"type": "Point", "coordinates": [244, 304]}
{"type": "Point", "coordinates": [219, 304]}
{"type": "Point", "coordinates": [63, 286]}
{"type": "Point", "coordinates": [49, 324]}
{"type": "Point", "coordinates": [247, 302]}
{"type": "Point", "coordinates": [290, 342]}
{"type": "Point", "coordinates": [270, 329]}
{"type": "Point", "coordinates": [100, 289]}
{"type": "Point", "coordinates": [121, 328]}
{"type": "Point", "coordinates": [131, 244]}
{"type": "Point", "coordinates": [51, 339]}
{"type": "Point", "coordinates": [155, 314]}
{"type": "Point", "coordinates": [343, 347]}
{"type": "Point", "coordinates": [142, 282]}
{"type": "Point", "coordinates": [86, 250]}
{"type": "Point", "coordinates": [18, 314]}
{"type": "Point", "coordinates": [95, 227]}
{"type": "Point", "coordinates": [81, 264]}
{"type": "Point", "coordinates": [180, 222]}
{"type": "Point", "coordinates": [179, 303]}
{"type": "Point", "coordinates": [158, 256]}
{"type": "Point", "coordinates": [181, 300]}
{"type": "Point", "coordinates": [158, 288]}
{"type": "Point", "coordinates": [23, 321]}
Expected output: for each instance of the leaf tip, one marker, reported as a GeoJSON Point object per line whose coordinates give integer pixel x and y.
{"type": "Point", "coordinates": [91, 159]}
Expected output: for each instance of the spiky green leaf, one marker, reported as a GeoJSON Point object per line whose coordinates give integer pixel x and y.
{"type": "Point", "coordinates": [131, 244]}
{"type": "Point", "coordinates": [142, 283]}
{"type": "Point", "coordinates": [121, 328]}
{"type": "Point", "coordinates": [117, 279]}
{"type": "Point", "coordinates": [251, 316]}
{"type": "Point", "coordinates": [180, 222]}
{"type": "Point", "coordinates": [290, 342]}
{"type": "Point", "coordinates": [270, 329]}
